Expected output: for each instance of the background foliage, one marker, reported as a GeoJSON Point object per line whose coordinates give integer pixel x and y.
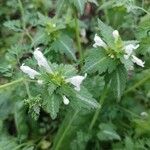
{"type": "Point", "coordinates": [64, 29]}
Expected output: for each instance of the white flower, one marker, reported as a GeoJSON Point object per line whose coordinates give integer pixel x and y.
{"type": "Point", "coordinates": [76, 81]}
{"type": "Point", "coordinates": [65, 100]}
{"type": "Point", "coordinates": [129, 49]}
{"type": "Point", "coordinates": [138, 61]}
{"type": "Point", "coordinates": [42, 60]}
{"type": "Point", "coordinates": [115, 34]}
{"type": "Point", "coordinates": [99, 42]}
{"type": "Point", "coordinates": [144, 114]}
{"type": "Point", "coordinates": [83, 32]}
{"type": "Point", "coordinates": [40, 82]}
{"type": "Point", "coordinates": [29, 71]}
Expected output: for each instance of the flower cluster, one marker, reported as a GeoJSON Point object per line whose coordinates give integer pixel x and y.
{"type": "Point", "coordinates": [127, 49]}
{"type": "Point", "coordinates": [42, 62]}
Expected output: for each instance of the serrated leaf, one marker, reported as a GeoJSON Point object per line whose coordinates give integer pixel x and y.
{"type": "Point", "coordinates": [98, 61]}
{"type": "Point", "coordinates": [7, 143]}
{"type": "Point", "coordinates": [86, 100]}
{"type": "Point", "coordinates": [80, 141]}
{"type": "Point", "coordinates": [108, 135]}
{"type": "Point", "coordinates": [20, 120]}
{"type": "Point", "coordinates": [13, 25]}
{"type": "Point", "coordinates": [127, 63]}
{"type": "Point", "coordinates": [106, 32]}
{"type": "Point", "coordinates": [107, 132]}
{"type": "Point", "coordinates": [52, 105]}
{"type": "Point", "coordinates": [118, 81]}
{"type": "Point", "coordinates": [129, 143]}
{"type": "Point", "coordinates": [59, 5]}
{"type": "Point", "coordinates": [80, 5]}
{"type": "Point", "coordinates": [65, 45]}
{"type": "Point", "coordinates": [51, 88]}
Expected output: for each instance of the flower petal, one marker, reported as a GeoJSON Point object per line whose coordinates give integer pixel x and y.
{"type": "Point", "coordinates": [115, 34]}
{"type": "Point", "coordinates": [40, 82]}
{"type": "Point", "coordinates": [42, 60]}
{"type": "Point", "coordinates": [76, 81]}
{"type": "Point", "coordinates": [144, 114]}
{"type": "Point", "coordinates": [65, 100]}
{"type": "Point", "coordinates": [99, 42]}
{"type": "Point", "coordinates": [129, 49]}
{"type": "Point", "coordinates": [138, 61]}
{"type": "Point", "coordinates": [29, 71]}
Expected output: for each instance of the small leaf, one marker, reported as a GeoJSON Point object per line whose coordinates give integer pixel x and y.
{"type": "Point", "coordinates": [118, 81]}
{"type": "Point", "coordinates": [52, 105]}
{"type": "Point", "coordinates": [80, 5]}
{"type": "Point", "coordinates": [59, 5]}
{"type": "Point", "coordinates": [99, 61]}
{"type": "Point", "coordinates": [65, 45]}
{"type": "Point", "coordinates": [20, 120]}
{"type": "Point", "coordinates": [85, 99]}
{"type": "Point", "coordinates": [129, 143]}
{"type": "Point", "coordinates": [13, 25]}
{"type": "Point", "coordinates": [107, 132]}
{"type": "Point", "coordinates": [106, 32]}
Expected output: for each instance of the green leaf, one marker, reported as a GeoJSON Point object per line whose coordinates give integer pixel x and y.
{"type": "Point", "coordinates": [80, 141]}
{"type": "Point", "coordinates": [34, 104]}
{"type": "Point", "coordinates": [59, 7]}
{"type": "Point", "coordinates": [7, 143]}
{"type": "Point", "coordinates": [143, 35]}
{"type": "Point", "coordinates": [107, 132]}
{"type": "Point", "coordinates": [20, 121]}
{"type": "Point", "coordinates": [52, 87]}
{"type": "Point", "coordinates": [129, 144]}
{"type": "Point", "coordinates": [86, 100]}
{"type": "Point", "coordinates": [98, 60]}
{"type": "Point", "coordinates": [106, 32]}
{"type": "Point", "coordinates": [80, 5]}
{"type": "Point", "coordinates": [65, 46]}
{"type": "Point", "coordinates": [52, 105]}
{"type": "Point", "coordinates": [118, 81]}
{"type": "Point", "coordinates": [14, 25]}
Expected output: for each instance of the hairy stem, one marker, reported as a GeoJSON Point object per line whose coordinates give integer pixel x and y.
{"type": "Point", "coordinates": [77, 30]}
{"type": "Point", "coordinates": [11, 83]}
{"type": "Point", "coordinates": [137, 84]}
{"type": "Point", "coordinates": [106, 12]}
{"type": "Point", "coordinates": [27, 89]}
{"type": "Point", "coordinates": [22, 14]}
{"type": "Point", "coordinates": [128, 111]}
{"type": "Point", "coordinates": [23, 21]}
{"type": "Point", "coordinates": [102, 99]}
{"type": "Point", "coordinates": [58, 146]}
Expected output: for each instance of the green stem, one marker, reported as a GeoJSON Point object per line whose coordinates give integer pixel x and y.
{"type": "Point", "coordinates": [27, 89]}
{"type": "Point", "coordinates": [103, 96]}
{"type": "Point", "coordinates": [106, 12]}
{"type": "Point", "coordinates": [66, 130]}
{"type": "Point", "coordinates": [22, 14]}
{"type": "Point", "coordinates": [23, 21]}
{"type": "Point", "coordinates": [128, 111]}
{"type": "Point", "coordinates": [29, 36]}
{"type": "Point", "coordinates": [11, 83]}
{"type": "Point", "coordinates": [137, 84]}
{"type": "Point", "coordinates": [77, 30]}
